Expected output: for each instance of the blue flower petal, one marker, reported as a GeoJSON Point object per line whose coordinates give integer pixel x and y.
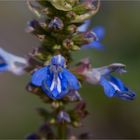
{"type": "Point", "coordinates": [58, 60]}
{"type": "Point", "coordinates": [125, 95]}
{"type": "Point", "coordinates": [46, 87]}
{"type": "Point", "coordinates": [4, 60]}
{"type": "Point", "coordinates": [55, 93]}
{"type": "Point", "coordinates": [94, 44]}
{"type": "Point", "coordinates": [39, 76]}
{"type": "Point", "coordinates": [64, 83]}
{"type": "Point", "coordinates": [84, 26]}
{"type": "Point", "coordinates": [55, 89]}
{"type": "Point", "coordinates": [118, 82]}
{"type": "Point", "coordinates": [108, 88]}
{"type": "Point", "coordinates": [72, 80]}
{"type": "Point", "coordinates": [99, 31]}
{"type": "Point", "coordinates": [3, 67]}
{"type": "Point", "coordinates": [124, 92]}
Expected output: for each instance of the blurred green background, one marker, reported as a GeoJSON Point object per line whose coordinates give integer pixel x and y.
{"type": "Point", "coordinates": [109, 118]}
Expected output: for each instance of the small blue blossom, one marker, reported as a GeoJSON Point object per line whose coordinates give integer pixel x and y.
{"type": "Point", "coordinates": [55, 80]}
{"type": "Point", "coordinates": [98, 34]}
{"type": "Point", "coordinates": [103, 76]}
{"type": "Point", "coordinates": [12, 63]}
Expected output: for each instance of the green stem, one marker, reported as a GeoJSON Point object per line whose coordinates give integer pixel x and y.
{"type": "Point", "coordinates": [62, 131]}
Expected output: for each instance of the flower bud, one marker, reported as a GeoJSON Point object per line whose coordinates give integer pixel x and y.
{"type": "Point", "coordinates": [45, 11]}
{"type": "Point", "coordinates": [75, 48]}
{"type": "Point", "coordinates": [71, 15]}
{"type": "Point", "coordinates": [55, 104]}
{"type": "Point", "coordinates": [52, 121]}
{"type": "Point", "coordinates": [92, 10]}
{"type": "Point", "coordinates": [81, 109]}
{"type": "Point", "coordinates": [72, 28]}
{"type": "Point", "coordinates": [76, 124]}
{"type": "Point", "coordinates": [56, 47]}
{"type": "Point", "coordinates": [61, 4]}
{"type": "Point", "coordinates": [43, 24]}
{"type": "Point", "coordinates": [74, 96]}
{"type": "Point", "coordinates": [63, 117]}
{"type": "Point", "coordinates": [67, 43]}
{"type": "Point", "coordinates": [56, 24]}
{"type": "Point", "coordinates": [41, 37]}
{"type": "Point", "coordinates": [32, 25]}
{"type": "Point", "coordinates": [79, 39]}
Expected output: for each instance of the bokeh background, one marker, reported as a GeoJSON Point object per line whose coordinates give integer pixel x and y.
{"type": "Point", "coordinates": [109, 118]}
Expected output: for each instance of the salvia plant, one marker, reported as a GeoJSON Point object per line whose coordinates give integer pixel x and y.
{"type": "Point", "coordinates": [62, 28]}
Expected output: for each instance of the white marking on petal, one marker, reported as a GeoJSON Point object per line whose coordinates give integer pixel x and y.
{"type": "Point", "coordinates": [115, 86]}
{"type": "Point", "coordinates": [59, 58]}
{"type": "Point", "coordinates": [58, 85]}
{"type": "Point", "coordinates": [53, 84]}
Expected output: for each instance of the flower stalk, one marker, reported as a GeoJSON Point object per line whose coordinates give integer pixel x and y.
{"type": "Point", "coordinates": [62, 28]}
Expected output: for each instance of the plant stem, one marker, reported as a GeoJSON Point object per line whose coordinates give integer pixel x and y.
{"type": "Point", "coordinates": [62, 131]}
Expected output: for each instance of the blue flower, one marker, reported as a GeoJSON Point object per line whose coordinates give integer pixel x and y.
{"type": "Point", "coordinates": [55, 80]}
{"type": "Point", "coordinates": [98, 34]}
{"type": "Point", "coordinates": [115, 87]}
{"type": "Point", "coordinates": [103, 76]}
{"type": "Point", "coordinates": [12, 63]}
